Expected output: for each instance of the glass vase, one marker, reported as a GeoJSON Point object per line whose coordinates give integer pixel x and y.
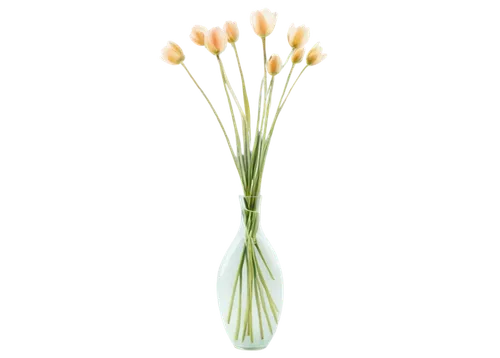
{"type": "Point", "coordinates": [250, 283]}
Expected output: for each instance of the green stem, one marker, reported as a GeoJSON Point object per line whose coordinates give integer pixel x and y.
{"type": "Point", "coordinates": [251, 257]}
{"type": "Point", "coordinates": [264, 261]}
{"type": "Point", "coordinates": [284, 92]}
{"type": "Point", "coordinates": [265, 60]}
{"type": "Point", "coordinates": [235, 123]}
{"type": "Point", "coordinates": [211, 106]}
{"type": "Point", "coordinates": [238, 321]}
{"type": "Point", "coordinates": [248, 317]}
{"type": "Point", "coordinates": [257, 301]}
{"type": "Point", "coordinates": [257, 171]}
{"type": "Point", "coordinates": [226, 80]}
{"type": "Point", "coordinates": [240, 267]}
{"type": "Point", "coordinates": [263, 304]}
{"type": "Point", "coordinates": [272, 305]}
{"type": "Point", "coordinates": [281, 103]}
{"type": "Point", "coordinates": [227, 96]}
{"type": "Point", "coordinates": [245, 94]}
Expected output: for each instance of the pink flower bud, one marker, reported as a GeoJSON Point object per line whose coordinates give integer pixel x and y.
{"type": "Point", "coordinates": [263, 22]}
{"type": "Point", "coordinates": [297, 55]}
{"type": "Point", "coordinates": [232, 31]}
{"type": "Point", "coordinates": [198, 35]}
{"type": "Point", "coordinates": [315, 55]}
{"type": "Point", "coordinates": [298, 36]}
{"type": "Point", "coordinates": [216, 40]}
{"type": "Point", "coordinates": [172, 54]}
{"type": "Point", "coordinates": [274, 65]}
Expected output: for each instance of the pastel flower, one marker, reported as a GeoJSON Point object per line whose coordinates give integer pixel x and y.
{"type": "Point", "coordinates": [274, 65]}
{"type": "Point", "coordinates": [172, 54]}
{"type": "Point", "coordinates": [216, 40]}
{"type": "Point", "coordinates": [232, 31]}
{"type": "Point", "coordinates": [298, 36]}
{"type": "Point", "coordinates": [263, 22]}
{"type": "Point", "coordinates": [315, 55]}
{"type": "Point", "coordinates": [198, 35]}
{"type": "Point", "coordinates": [297, 55]}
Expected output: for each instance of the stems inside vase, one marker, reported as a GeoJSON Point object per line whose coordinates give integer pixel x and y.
{"type": "Point", "coordinates": [250, 275]}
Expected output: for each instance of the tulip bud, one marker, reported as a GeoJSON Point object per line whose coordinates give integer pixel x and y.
{"type": "Point", "coordinates": [298, 36]}
{"type": "Point", "coordinates": [198, 35]}
{"type": "Point", "coordinates": [216, 40]}
{"type": "Point", "coordinates": [232, 31]}
{"type": "Point", "coordinates": [172, 54]}
{"type": "Point", "coordinates": [297, 55]}
{"type": "Point", "coordinates": [263, 22]}
{"type": "Point", "coordinates": [315, 55]}
{"type": "Point", "coordinates": [274, 65]}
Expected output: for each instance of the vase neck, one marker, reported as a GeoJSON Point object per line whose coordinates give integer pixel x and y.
{"type": "Point", "coordinates": [250, 215]}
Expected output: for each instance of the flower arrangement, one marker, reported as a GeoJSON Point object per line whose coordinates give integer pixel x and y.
{"type": "Point", "coordinates": [251, 152]}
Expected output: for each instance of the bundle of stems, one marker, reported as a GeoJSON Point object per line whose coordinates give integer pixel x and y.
{"type": "Point", "coordinates": [251, 149]}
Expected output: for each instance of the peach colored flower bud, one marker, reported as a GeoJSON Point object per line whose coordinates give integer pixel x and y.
{"type": "Point", "coordinates": [198, 35]}
{"type": "Point", "coordinates": [216, 40]}
{"type": "Point", "coordinates": [297, 55]}
{"type": "Point", "coordinates": [298, 36]}
{"type": "Point", "coordinates": [263, 22]}
{"type": "Point", "coordinates": [172, 53]}
{"type": "Point", "coordinates": [274, 65]}
{"type": "Point", "coordinates": [315, 55]}
{"type": "Point", "coordinates": [232, 31]}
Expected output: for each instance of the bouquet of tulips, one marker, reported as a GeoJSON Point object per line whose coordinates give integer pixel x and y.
{"type": "Point", "coordinates": [251, 147]}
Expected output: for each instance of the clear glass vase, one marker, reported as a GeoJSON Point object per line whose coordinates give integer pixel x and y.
{"type": "Point", "coordinates": [249, 283]}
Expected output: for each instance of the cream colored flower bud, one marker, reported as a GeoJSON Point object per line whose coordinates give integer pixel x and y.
{"type": "Point", "coordinates": [298, 36]}
{"type": "Point", "coordinates": [198, 35]}
{"type": "Point", "coordinates": [263, 22]}
{"type": "Point", "coordinates": [172, 53]}
{"type": "Point", "coordinates": [315, 55]}
{"type": "Point", "coordinates": [216, 40]}
{"type": "Point", "coordinates": [232, 31]}
{"type": "Point", "coordinates": [297, 55]}
{"type": "Point", "coordinates": [274, 65]}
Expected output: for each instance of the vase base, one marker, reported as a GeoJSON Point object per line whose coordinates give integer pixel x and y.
{"type": "Point", "coordinates": [250, 348]}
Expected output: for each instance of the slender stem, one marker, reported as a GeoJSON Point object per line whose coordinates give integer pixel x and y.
{"type": "Point", "coordinates": [234, 122]}
{"type": "Point", "coordinates": [272, 305]}
{"type": "Point", "coordinates": [238, 321]}
{"type": "Point", "coordinates": [257, 301]}
{"type": "Point", "coordinates": [295, 82]}
{"type": "Point", "coordinates": [238, 164]}
{"type": "Point", "coordinates": [264, 261]}
{"type": "Point", "coordinates": [263, 288]}
{"type": "Point", "coordinates": [211, 106]}
{"type": "Point", "coordinates": [242, 161]}
{"type": "Point", "coordinates": [282, 96]}
{"type": "Point", "coordinates": [265, 60]}
{"type": "Point", "coordinates": [289, 55]}
{"type": "Point", "coordinates": [257, 171]}
{"type": "Point", "coordinates": [246, 323]}
{"type": "Point", "coordinates": [231, 91]}
{"type": "Point", "coordinates": [259, 139]}
{"type": "Point", "coordinates": [282, 102]}
{"type": "Point", "coordinates": [245, 94]}
{"type": "Point", "coordinates": [225, 82]}
{"type": "Point", "coordinates": [263, 132]}
{"type": "Point", "coordinates": [260, 96]}
{"type": "Point", "coordinates": [251, 258]}
{"type": "Point", "coordinates": [244, 153]}
{"type": "Point", "coordinates": [262, 300]}
{"type": "Point", "coordinates": [240, 267]}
